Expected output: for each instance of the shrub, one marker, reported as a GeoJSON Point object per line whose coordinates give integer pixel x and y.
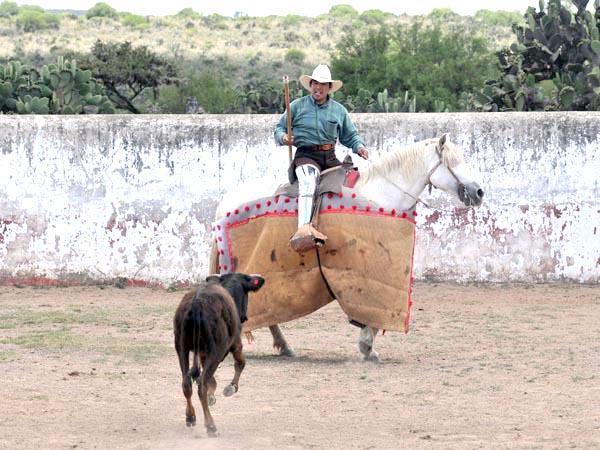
{"type": "Point", "coordinates": [292, 20]}
{"type": "Point", "coordinates": [31, 20]}
{"type": "Point", "coordinates": [8, 9]}
{"type": "Point", "coordinates": [135, 21]}
{"type": "Point", "coordinates": [215, 94]}
{"type": "Point", "coordinates": [101, 10]}
{"type": "Point", "coordinates": [441, 13]}
{"type": "Point", "coordinates": [342, 11]}
{"type": "Point", "coordinates": [293, 55]}
{"type": "Point", "coordinates": [188, 13]}
{"type": "Point", "coordinates": [373, 17]}
{"type": "Point", "coordinates": [499, 18]}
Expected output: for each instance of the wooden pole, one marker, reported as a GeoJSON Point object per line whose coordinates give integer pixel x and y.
{"type": "Point", "coordinates": [289, 113]}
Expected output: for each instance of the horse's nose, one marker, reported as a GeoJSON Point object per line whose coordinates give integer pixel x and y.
{"type": "Point", "coordinates": [479, 194]}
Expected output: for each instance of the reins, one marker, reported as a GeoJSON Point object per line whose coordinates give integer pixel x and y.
{"type": "Point", "coordinates": [439, 151]}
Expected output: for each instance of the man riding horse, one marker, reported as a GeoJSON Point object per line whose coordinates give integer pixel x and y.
{"type": "Point", "coordinates": [317, 121]}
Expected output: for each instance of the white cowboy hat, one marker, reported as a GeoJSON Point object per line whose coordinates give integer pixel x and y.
{"type": "Point", "coordinates": [322, 74]}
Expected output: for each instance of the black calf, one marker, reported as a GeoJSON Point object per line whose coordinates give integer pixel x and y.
{"type": "Point", "coordinates": [208, 323]}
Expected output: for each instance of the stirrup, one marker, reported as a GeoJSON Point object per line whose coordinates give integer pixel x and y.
{"type": "Point", "coordinates": [307, 238]}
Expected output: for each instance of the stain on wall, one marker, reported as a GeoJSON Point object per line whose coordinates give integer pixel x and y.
{"type": "Point", "coordinates": [94, 198]}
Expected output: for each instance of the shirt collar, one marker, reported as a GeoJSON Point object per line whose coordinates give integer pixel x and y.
{"type": "Point", "coordinates": [324, 105]}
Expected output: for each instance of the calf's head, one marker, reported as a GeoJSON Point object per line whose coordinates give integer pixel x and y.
{"type": "Point", "coordinates": [238, 285]}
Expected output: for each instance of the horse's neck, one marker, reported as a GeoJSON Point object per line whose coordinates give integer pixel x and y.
{"type": "Point", "coordinates": [394, 189]}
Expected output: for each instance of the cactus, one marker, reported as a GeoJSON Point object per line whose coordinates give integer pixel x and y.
{"type": "Point", "coordinates": [32, 105]}
{"type": "Point", "coordinates": [552, 66]}
{"type": "Point", "coordinates": [60, 88]}
{"type": "Point", "coordinates": [385, 103]}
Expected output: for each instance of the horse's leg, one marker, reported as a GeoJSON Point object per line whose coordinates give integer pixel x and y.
{"type": "Point", "coordinates": [208, 373]}
{"type": "Point", "coordinates": [280, 343]}
{"type": "Point", "coordinates": [240, 363]}
{"type": "Point", "coordinates": [366, 341]}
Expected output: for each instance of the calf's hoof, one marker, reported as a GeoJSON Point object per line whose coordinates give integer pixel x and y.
{"type": "Point", "coordinates": [190, 421]}
{"type": "Point", "coordinates": [211, 400]}
{"type": "Point", "coordinates": [230, 390]}
{"type": "Point", "coordinates": [211, 431]}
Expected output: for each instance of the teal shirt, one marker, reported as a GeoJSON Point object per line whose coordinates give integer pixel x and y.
{"type": "Point", "coordinates": [314, 124]}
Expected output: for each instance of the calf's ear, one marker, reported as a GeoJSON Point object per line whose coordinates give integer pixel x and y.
{"type": "Point", "coordinates": [253, 282]}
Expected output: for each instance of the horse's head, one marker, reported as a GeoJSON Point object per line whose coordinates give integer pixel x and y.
{"type": "Point", "coordinates": [449, 172]}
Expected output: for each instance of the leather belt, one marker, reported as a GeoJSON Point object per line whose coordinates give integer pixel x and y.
{"type": "Point", "coordinates": [319, 147]}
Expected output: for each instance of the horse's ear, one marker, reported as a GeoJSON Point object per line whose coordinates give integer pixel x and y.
{"type": "Point", "coordinates": [443, 139]}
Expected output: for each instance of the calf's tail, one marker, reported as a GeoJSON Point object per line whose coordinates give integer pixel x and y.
{"type": "Point", "coordinates": [201, 339]}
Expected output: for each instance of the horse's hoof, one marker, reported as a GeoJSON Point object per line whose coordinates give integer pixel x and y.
{"type": "Point", "coordinates": [190, 421]}
{"type": "Point", "coordinates": [287, 352]}
{"type": "Point", "coordinates": [372, 357]}
{"type": "Point", "coordinates": [211, 431]}
{"type": "Point", "coordinates": [230, 390]}
{"type": "Point", "coordinates": [211, 400]}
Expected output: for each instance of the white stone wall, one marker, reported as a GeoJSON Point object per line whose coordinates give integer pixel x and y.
{"type": "Point", "coordinates": [94, 198]}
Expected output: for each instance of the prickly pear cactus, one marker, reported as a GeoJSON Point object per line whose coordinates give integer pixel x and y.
{"type": "Point", "coordinates": [60, 88]}
{"type": "Point", "coordinates": [554, 65]}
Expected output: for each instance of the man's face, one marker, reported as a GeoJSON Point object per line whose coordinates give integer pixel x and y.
{"type": "Point", "coordinates": [319, 91]}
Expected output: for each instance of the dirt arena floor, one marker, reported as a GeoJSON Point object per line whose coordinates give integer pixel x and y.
{"type": "Point", "coordinates": [483, 367]}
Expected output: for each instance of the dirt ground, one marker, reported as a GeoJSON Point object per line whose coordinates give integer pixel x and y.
{"type": "Point", "coordinates": [483, 367]}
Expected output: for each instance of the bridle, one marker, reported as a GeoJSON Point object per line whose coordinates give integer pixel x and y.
{"type": "Point", "coordinates": [439, 150]}
{"type": "Point", "coordinates": [461, 186]}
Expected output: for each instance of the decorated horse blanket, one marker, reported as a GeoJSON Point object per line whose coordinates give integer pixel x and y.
{"type": "Point", "coordinates": [367, 260]}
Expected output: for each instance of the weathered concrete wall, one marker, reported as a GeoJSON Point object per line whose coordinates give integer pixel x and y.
{"type": "Point", "coordinates": [100, 197]}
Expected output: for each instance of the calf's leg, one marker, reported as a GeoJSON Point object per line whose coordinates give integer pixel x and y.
{"type": "Point", "coordinates": [239, 364]}
{"type": "Point", "coordinates": [211, 386]}
{"type": "Point", "coordinates": [208, 372]}
{"type": "Point", "coordinates": [186, 384]}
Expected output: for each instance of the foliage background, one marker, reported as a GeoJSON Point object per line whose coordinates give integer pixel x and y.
{"type": "Point", "coordinates": [218, 64]}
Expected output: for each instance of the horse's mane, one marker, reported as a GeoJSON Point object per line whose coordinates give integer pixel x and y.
{"type": "Point", "coordinates": [410, 161]}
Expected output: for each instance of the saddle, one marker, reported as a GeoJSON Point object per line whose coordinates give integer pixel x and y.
{"type": "Point", "coordinates": [331, 181]}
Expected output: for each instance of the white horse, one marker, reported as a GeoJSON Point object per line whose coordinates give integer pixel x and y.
{"type": "Point", "coordinates": [394, 182]}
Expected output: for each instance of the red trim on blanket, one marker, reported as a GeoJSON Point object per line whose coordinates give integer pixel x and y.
{"type": "Point", "coordinates": [410, 302]}
{"type": "Point", "coordinates": [341, 210]}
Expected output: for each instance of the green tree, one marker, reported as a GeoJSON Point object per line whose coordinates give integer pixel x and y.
{"type": "Point", "coordinates": [126, 71]}
{"type": "Point", "coordinates": [135, 21]}
{"type": "Point", "coordinates": [431, 66]}
{"type": "Point", "coordinates": [362, 62]}
{"type": "Point", "coordinates": [8, 9]}
{"type": "Point", "coordinates": [188, 13]}
{"type": "Point", "coordinates": [499, 18]}
{"type": "Point", "coordinates": [101, 10]}
{"type": "Point", "coordinates": [374, 16]}
{"type": "Point", "coordinates": [342, 11]}
{"type": "Point", "coordinates": [441, 13]}
{"type": "Point", "coordinates": [30, 20]}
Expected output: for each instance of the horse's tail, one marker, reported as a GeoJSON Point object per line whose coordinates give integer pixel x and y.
{"type": "Point", "coordinates": [213, 262]}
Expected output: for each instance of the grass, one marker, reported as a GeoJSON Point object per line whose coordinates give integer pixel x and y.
{"type": "Point", "coordinates": [72, 329]}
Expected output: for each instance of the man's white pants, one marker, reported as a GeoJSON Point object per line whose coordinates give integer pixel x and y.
{"type": "Point", "coordinates": [307, 183]}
